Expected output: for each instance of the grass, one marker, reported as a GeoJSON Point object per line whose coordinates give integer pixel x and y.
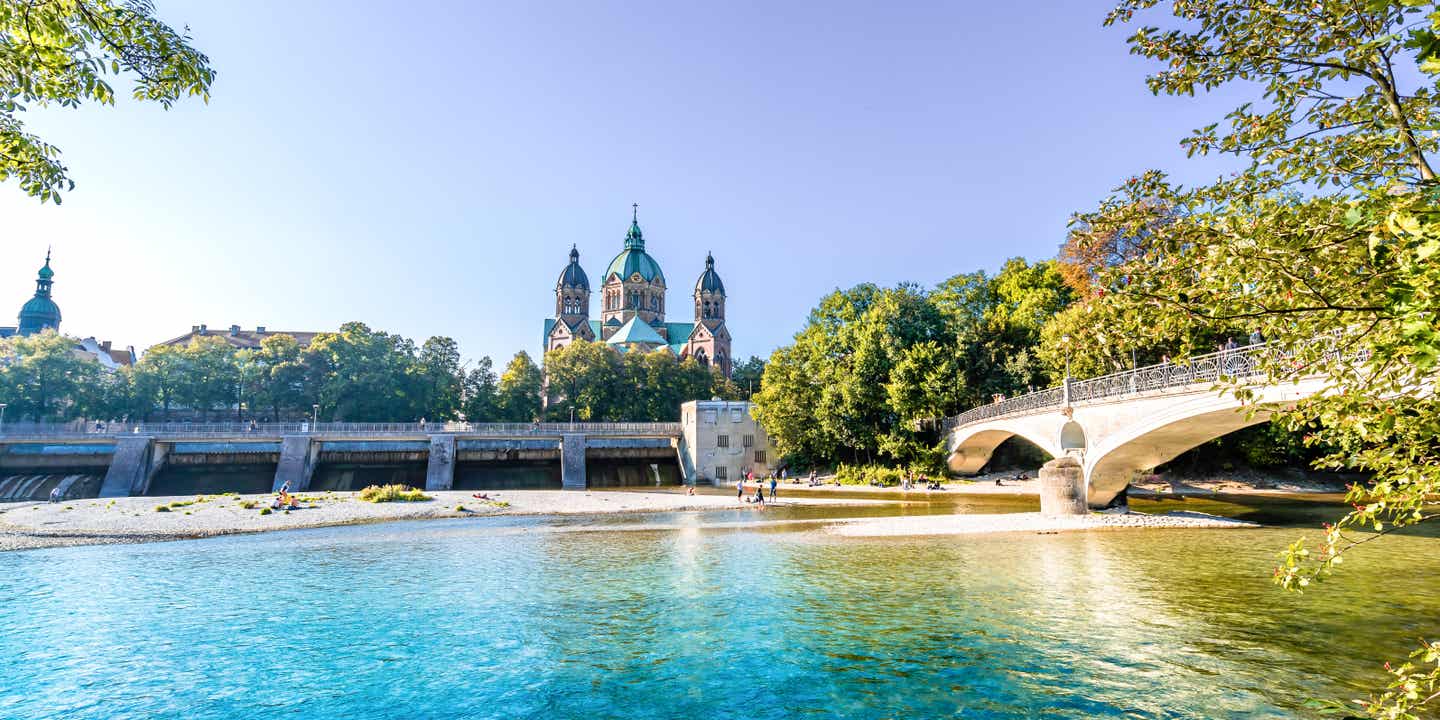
{"type": "Point", "coordinates": [162, 508]}
{"type": "Point", "coordinates": [247, 504]}
{"type": "Point", "coordinates": [265, 511]}
{"type": "Point", "coordinates": [392, 493]}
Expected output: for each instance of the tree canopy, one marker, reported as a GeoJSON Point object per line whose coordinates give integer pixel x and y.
{"type": "Point", "coordinates": [67, 53]}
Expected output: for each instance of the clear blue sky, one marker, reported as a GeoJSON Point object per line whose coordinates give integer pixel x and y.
{"type": "Point", "coordinates": [425, 169]}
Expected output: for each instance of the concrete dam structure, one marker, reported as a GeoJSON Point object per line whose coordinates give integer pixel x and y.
{"type": "Point", "coordinates": [213, 458]}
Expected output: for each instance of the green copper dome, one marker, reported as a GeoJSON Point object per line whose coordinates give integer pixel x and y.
{"type": "Point", "coordinates": [40, 312]}
{"type": "Point", "coordinates": [633, 259]}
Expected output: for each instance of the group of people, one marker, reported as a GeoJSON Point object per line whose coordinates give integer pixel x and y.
{"type": "Point", "coordinates": [283, 499]}
{"type": "Point", "coordinates": [911, 481]}
{"type": "Point", "coordinates": [759, 497]}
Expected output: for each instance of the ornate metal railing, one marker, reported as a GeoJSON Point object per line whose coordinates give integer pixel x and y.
{"type": "Point", "coordinates": [79, 429]}
{"type": "Point", "coordinates": [1212, 368]}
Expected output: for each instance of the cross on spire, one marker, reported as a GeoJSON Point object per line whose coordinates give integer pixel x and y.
{"type": "Point", "coordinates": [634, 212]}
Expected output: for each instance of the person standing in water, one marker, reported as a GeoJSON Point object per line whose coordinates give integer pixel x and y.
{"type": "Point", "coordinates": [773, 483]}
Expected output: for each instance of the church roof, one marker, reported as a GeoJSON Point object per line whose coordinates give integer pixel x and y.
{"type": "Point", "coordinates": [636, 331]}
{"type": "Point", "coordinates": [573, 275]}
{"type": "Point", "coordinates": [633, 259]}
{"type": "Point", "coordinates": [40, 312]}
{"type": "Point", "coordinates": [709, 280]}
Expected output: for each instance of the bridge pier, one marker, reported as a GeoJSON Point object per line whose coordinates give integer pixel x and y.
{"type": "Point", "coordinates": [1062, 487]}
{"type": "Point", "coordinates": [440, 467]}
{"type": "Point", "coordinates": [132, 467]}
{"type": "Point", "coordinates": [572, 461]}
{"type": "Point", "coordinates": [298, 457]}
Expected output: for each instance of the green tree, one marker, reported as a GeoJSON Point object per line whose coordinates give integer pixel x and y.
{"type": "Point", "coordinates": [439, 378]}
{"type": "Point", "coordinates": [519, 392]}
{"type": "Point", "coordinates": [587, 377]}
{"type": "Point", "coordinates": [43, 379]}
{"type": "Point", "coordinates": [1343, 283]}
{"type": "Point", "coordinates": [481, 392]}
{"type": "Point", "coordinates": [61, 53]}
{"type": "Point", "coordinates": [211, 380]}
{"type": "Point", "coordinates": [362, 375]}
{"type": "Point", "coordinates": [272, 377]}
{"type": "Point", "coordinates": [746, 375]}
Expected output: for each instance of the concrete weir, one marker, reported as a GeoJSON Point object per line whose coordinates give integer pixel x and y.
{"type": "Point", "coordinates": [222, 458]}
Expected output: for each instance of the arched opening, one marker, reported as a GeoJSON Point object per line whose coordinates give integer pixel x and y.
{"type": "Point", "coordinates": [1072, 437]}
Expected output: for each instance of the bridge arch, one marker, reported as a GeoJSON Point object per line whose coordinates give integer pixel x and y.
{"type": "Point", "coordinates": [1072, 437]}
{"type": "Point", "coordinates": [969, 452]}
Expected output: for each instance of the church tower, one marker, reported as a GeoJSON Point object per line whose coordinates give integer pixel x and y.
{"type": "Point", "coordinates": [709, 341]}
{"type": "Point", "coordinates": [634, 286]}
{"type": "Point", "coordinates": [572, 306]}
{"type": "Point", "coordinates": [41, 312]}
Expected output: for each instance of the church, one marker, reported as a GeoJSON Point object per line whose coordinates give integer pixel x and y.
{"type": "Point", "coordinates": [632, 307]}
{"type": "Point", "coordinates": [39, 312]}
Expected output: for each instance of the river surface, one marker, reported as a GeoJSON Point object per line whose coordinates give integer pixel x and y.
{"type": "Point", "coordinates": [668, 616]}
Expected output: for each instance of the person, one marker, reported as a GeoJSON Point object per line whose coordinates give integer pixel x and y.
{"type": "Point", "coordinates": [784, 473]}
{"type": "Point", "coordinates": [55, 494]}
{"type": "Point", "coordinates": [689, 489]}
{"type": "Point", "coordinates": [1255, 337]}
{"type": "Point", "coordinates": [760, 495]}
{"type": "Point", "coordinates": [812, 477]}
{"type": "Point", "coordinates": [998, 483]}
{"type": "Point", "coordinates": [740, 489]}
{"type": "Point", "coordinates": [773, 482]}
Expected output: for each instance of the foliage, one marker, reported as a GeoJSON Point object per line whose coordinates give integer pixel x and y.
{"type": "Point", "coordinates": [602, 384]}
{"type": "Point", "coordinates": [42, 378]}
{"type": "Point", "coordinates": [746, 375]}
{"type": "Point", "coordinates": [392, 493]}
{"type": "Point", "coordinates": [1325, 243]}
{"type": "Point", "coordinates": [518, 397]}
{"type": "Point", "coordinates": [60, 53]}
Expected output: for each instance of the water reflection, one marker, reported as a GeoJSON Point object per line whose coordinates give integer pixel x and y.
{"type": "Point", "coordinates": [528, 618]}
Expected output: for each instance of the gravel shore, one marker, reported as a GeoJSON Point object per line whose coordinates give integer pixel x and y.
{"type": "Point", "coordinates": [25, 526]}
{"type": "Point", "coordinates": [1024, 522]}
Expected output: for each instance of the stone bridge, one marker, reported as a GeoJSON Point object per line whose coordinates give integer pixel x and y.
{"type": "Point", "coordinates": [1129, 422]}
{"type": "Point", "coordinates": [130, 456]}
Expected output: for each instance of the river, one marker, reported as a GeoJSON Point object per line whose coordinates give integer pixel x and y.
{"type": "Point", "coordinates": [666, 616]}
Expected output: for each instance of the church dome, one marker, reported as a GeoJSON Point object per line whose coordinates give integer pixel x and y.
{"type": "Point", "coordinates": [573, 276]}
{"type": "Point", "coordinates": [710, 280]}
{"type": "Point", "coordinates": [633, 259]}
{"type": "Point", "coordinates": [40, 312]}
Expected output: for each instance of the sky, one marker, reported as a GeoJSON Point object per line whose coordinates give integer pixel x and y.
{"type": "Point", "coordinates": [425, 167]}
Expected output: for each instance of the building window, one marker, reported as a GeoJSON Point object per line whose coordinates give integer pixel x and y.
{"type": "Point", "coordinates": [748, 441]}
{"type": "Point", "coordinates": [707, 417]}
{"type": "Point", "coordinates": [736, 415]}
{"type": "Point", "coordinates": [721, 472]}
{"type": "Point", "coordinates": [760, 456]}
{"type": "Point", "coordinates": [722, 441]}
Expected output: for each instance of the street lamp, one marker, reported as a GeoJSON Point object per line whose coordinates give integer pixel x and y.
{"type": "Point", "coordinates": [2, 415]}
{"type": "Point", "coordinates": [315, 416]}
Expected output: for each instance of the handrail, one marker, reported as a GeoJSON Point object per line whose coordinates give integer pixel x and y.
{"type": "Point", "coordinates": [1241, 362]}
{"type": "Point", "coordinates": [84, 429]}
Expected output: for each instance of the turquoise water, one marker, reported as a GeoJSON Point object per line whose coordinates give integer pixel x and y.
{"type": "Point", "coordinates": [658, 617]}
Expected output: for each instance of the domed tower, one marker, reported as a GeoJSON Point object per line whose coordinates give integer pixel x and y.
{"type": "Point", "coordinates": [572, 306]}
{"type": "Point", "coordinates": [709, 342]}
{"type": "Point", "coordinates": [41, 312]}
{"type": "Point", "coordinates": [634, 285]}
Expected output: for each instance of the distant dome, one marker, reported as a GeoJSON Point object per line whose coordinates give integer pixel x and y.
{"type": "Point", "coordinates": [40, 312]}
{"type": "Point", "coordinates": [573, 276]}
{"type": "Point", "coordinates": [710, 280]}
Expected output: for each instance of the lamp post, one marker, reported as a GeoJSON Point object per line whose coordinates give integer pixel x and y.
{"type": "Point", "coordinates": [2, 416]}
{"type": "Point", "coordinates": [315, 417]}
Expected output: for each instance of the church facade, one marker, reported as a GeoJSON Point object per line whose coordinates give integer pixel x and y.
{"type": "Point", "coordinates": [632, 308]}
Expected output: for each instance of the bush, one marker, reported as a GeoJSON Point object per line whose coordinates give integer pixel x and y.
{"type": "Point", "coordinates": [248, 504]}
{"type": "Point", "coordinates": [161, 508]}
{"type": "Point", "coordinates": [392, 493]}
{"type": "Point", "coordinates": [265, 511]}
{"type": "Point", "coordinates": [869, 475]}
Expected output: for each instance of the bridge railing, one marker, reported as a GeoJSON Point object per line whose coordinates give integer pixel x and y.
{"type": "Point", "coordinates": [81, 429]}
{"type": "Point", "coordinates": [1238, 363]}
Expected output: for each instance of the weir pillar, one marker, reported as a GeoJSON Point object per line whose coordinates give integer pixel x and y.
{"type": "Point", "coordinates": [298, 457]}
{"type": "Point", "coordinates": [135, 462]}
{"type": "Point", "coordinates": [572, 461]}
{"type": "Point", "coordinates": [440, 468]}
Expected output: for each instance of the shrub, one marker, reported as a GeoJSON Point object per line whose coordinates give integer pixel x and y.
{"type": "Point", "coordinates": [265, 511]}
{"type": "Point", "coordinates": [161, 508]}
{"type": "Point", "coordinates": [869, 475]}
{"type": "Point", "coordinates": [248, 504]}
{"type": "Point", "coordinates": [392, 493]}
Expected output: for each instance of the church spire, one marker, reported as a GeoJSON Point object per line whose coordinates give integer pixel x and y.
{"type": "Point", "coordinates": [634, 239]}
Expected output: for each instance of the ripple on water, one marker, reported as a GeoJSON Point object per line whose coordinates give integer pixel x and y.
{"type": "Point", "coordinates": [509, 620]}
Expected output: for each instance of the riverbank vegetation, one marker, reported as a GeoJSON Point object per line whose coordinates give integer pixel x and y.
{"type": "Point", "coordinates": [356, 374]}
{"type": "Point", "coordinates": [1325, 242]}
{"type": "Point", "coordinates": [392, 493]}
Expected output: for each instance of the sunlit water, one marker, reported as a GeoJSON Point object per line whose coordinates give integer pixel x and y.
{"type": "Point", "coordinates": [659, 617]}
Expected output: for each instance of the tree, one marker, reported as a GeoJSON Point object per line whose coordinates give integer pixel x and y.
{"type": "Point", "coordinates": [519, 393]}
{"type": "Point", "coordinates": [1343, 284]}
{"type": "Point", "coordinates": [60, 53]}
{"type": "Point", "coordinates": [211, 380]}
{"type": "Point", "coordinates": [43, 379]}
{"type": "Point", "coordinates": [440, 379]}
{"type": "Point", "coordinates": [746, 374]}
{"type": "Point", "coordinates": [481, 401]}
{"type": "Point", "coordinates": [272, 377]}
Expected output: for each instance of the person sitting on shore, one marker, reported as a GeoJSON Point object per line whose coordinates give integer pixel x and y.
{"type": "Point", "coordinates": [481, 496]}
